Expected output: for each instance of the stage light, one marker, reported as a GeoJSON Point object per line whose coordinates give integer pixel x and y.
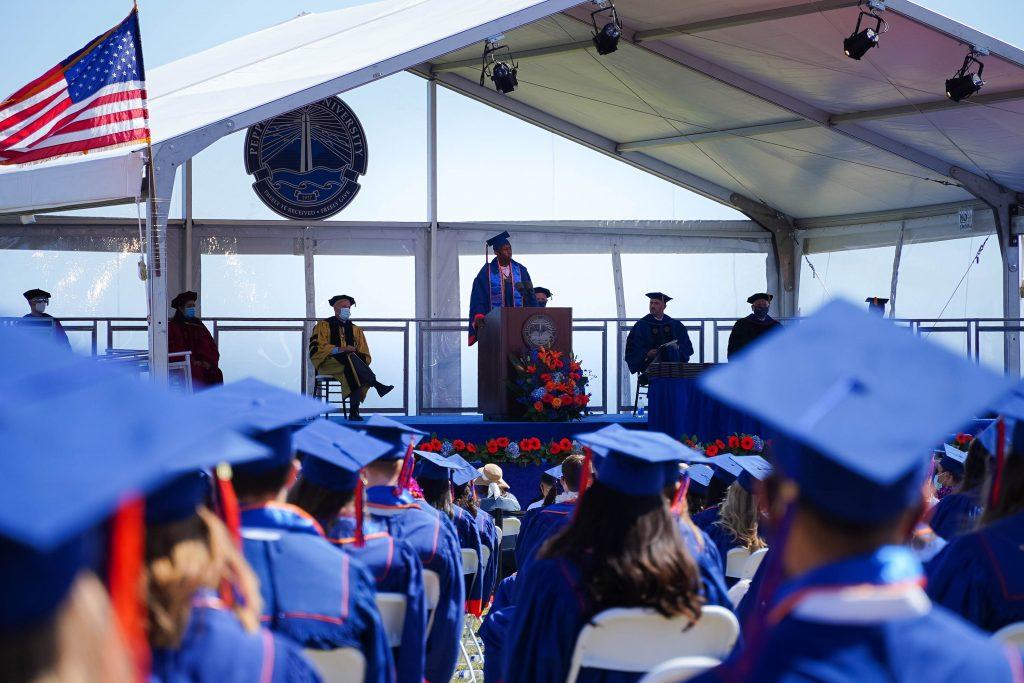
{"type": "Point", "coordinates": [965, 83]}
{"type": "Point", "coordinates": [502, 73]}
{"type": "Point", "coordinates": [606, 38]}
{"type": "Point", "coordinates": [860, 41]}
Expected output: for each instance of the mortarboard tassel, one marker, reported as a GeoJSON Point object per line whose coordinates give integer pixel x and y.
{"type": "Point", "coordinates": [997, 480]}
{"type": "Point", "coordinates": [228, 503]}
{"type": "Point", "coordinates": [127, 549]}
{"type": "Point", "coordinates": [360, 537]}
{"type": "Point", "coordinates": [406, 473]}
{"type": "Point", "coordinates": [677, 500]}
{"type": "Point", "coordinates": [584, 477]}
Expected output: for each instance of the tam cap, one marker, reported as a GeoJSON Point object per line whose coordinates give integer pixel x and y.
{"type": "Point", "coordinates": [334, 454]}
{"type": "Point", "coordinates": [498, 241]}
{"type": "Point", "coordinates": [700, 477]}
{"type": "Point", "coordinates": [754, 469]}
{"type": "Point", "coordinates": [36, 294]}
{"type": "Point", "coordinates": [393, 432]}
{"type": "Point", "coordinates": [820, 382]}
{"type": "Point", "coordinates": [338, 297]}
{"type": "Point", "coordinates": [659, 296]}
{"type": "Point", "coordinates": [760, 295]}
{"type": "Point", "coordinates": [434, 466]}
{"type": "Point", "coordinates": [953, 459]}
{"type": "Point", "coordinates": [543, 290]}
{"type": "Point", "coordinates": [876, 304]}
{"type": "Point", "coordinates": [183, 298]}
{"type": "Point", "coordinates": [637, 463]}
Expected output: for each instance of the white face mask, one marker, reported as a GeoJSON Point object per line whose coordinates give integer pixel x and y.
{"type": "Point", "coordinates": [345, 313]}
{"type": "Point", "coordinates": [39, 306]}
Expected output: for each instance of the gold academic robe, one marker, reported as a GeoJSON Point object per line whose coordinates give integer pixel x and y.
{"type": "Point", "coordinates": [321, 348]}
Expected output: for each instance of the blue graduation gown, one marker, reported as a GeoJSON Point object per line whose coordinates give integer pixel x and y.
{"type": "Point", "coordinates": [469, 539]}
{"type": "Point", "coordinates": [489, 539]}
{"type": "Point", "coordinates": [433, 537]}
{"type": "Point", "coordinates": [544, 627]}
{"type": "Point", "coordinates": [488, 292]}
{"type": "Point", "coordinates": [650, 333]}
{"type": "Point", "coordinates": [706, 517]}
{"type": "Point", "coordinates": [494, 627]}
{"type": "Point", "coordinates": [315, 594]}
{"type": "Point", "coordinates": [709, 562]}
{"type": "Point", "coordinates": [980, 575]}
{"type": "Point", "coordinates": [216, 649]}
{"type": "Point", "coordinates": [865, 619]}
{"type": "Point", "coordinates": [955, 514]}
{"type": "Point", "coordinates": [396, 568]}
{"type": "Point", "coordinates": [537, 526]}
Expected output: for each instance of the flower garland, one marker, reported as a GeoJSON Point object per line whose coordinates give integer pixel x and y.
{"type": "Point", "coordinates": [734, 444]}
{"type": "Point", "coordinates": [502, 449]}
{"type": "Point", "coordinates": [551, 386]}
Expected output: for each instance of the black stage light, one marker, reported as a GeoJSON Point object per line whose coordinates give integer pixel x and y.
{"type": "Point", "coordinates": [501, 72]}
{"type": "Point", "coordinates": [965, 83]}
{"type": "Point", "coordinates": [504, 77]}
{"type": "Point", "coordinates": [859, 42]}
{"type": "Point", "coordinates": [606, 39]}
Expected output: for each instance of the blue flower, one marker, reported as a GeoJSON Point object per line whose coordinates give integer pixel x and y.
{"type": "Point", "coordinates": [758, 444]}
{"type": "Point", "coordinates": [537, 394]}
{"type": "Point", "coordinates": [512, 450]}
{"type": "Point", "coordinates": [447, 448]}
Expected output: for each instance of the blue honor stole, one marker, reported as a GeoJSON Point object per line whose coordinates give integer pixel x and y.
{"type": "Point", "coordinates": [497, 286]}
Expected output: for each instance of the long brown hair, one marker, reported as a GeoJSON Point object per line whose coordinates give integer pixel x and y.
{"type": "Point", "coordinates": [322, 503]}
{"type": "Point", "coordinates": [1011, 490]}
{"type": "Point", "coordinates": [438, 493]}
{"type": "Point", "coordinates": [185, 556]}
{"type": "Point", "coordinates": [465, 499]}
{"type": "Point", "coordinates": [739, 516]}
{"type": "Point", "coordinates": [630, 554]}
{"type": "Point", "coordinates": [79, 644]}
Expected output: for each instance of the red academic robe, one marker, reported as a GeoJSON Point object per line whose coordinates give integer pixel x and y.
{"type": "Point", "coordinates": [185, 334]}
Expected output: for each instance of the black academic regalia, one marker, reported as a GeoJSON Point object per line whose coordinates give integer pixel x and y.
{"type": "Point", "coordinates": [747, 330]}
{"type": "Point", "coordinates": [650, 333]}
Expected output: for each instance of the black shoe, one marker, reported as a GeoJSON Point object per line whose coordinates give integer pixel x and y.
{"type": "Point", "coordinates": [355, 417]}
{"type": "Point", "coordinates": [383, 389]}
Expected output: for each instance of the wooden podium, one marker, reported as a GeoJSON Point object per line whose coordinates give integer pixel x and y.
{"type": "Point", "coordinates": [514, 331]}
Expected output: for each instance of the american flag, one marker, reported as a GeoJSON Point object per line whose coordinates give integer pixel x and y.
{"type": "Point", "coordinates": [94, 99]}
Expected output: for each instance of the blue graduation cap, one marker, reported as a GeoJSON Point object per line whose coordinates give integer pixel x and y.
{"type": "Point", "coordinates": [465, 472]}
{"type": "Point", "coordinates": [394, 433]}
{"type": "Point", "coordinates": [858, 402]}
{"type": "Point", "coordinates": [754, 468]}
{"type": "Point", "coordinates": [334, 454]}
{"type": "Point", "coordinates": [498, 241]}
{"type": "Point", "coordinates": [434, 466]}
{"type": "Point", "coordinates": [637, 463]}
{"type": "Point", "coordinates": [700, 477]}
{"type": "Point", "coordinates": [953, 459]}
{"type": "Point", "coordinates": [725, 468]}
{"type": "Point", "coordinates": [555, 472]}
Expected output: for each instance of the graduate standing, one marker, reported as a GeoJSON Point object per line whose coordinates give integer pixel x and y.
{"type": "Point", "coordinates": [327, 489]}
{"type": "Point", "coordinates": [842, 595]}
{"type": "Point", "coordinates": [657, 337]}
{"type": "Point", "coordinates": [747, 330]}
{"type": "Point", "coordinates": [501, 282]}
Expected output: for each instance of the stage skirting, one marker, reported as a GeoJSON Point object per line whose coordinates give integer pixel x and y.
{"type": "Point", "coordinates": [680, 409]}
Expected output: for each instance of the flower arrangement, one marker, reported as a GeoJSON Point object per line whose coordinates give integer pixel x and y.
{"type": "Point", "coordinates": [734, 444]}
{"type": "Point", "coordinates": [961, 441]}
{"type": "Point", "coordinates": [528, 451]}
{"type": "Point", "coordinates": [550, 385]}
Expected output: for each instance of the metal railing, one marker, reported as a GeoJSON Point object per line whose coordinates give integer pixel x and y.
{"type": "Point", "coordinates": [429, 347]}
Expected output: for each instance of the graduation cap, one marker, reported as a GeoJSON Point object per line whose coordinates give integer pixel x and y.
{"type": "Point", "coordinates": [754, 469]}
{"type": "Point", "coordinates": [819, 383]}
{"type": "Point", "coordinates": [664, 298]}
{"type": "Point", "coordinates": [543, 290]}
{"type": "Point", "coordinates": [334, 454]}
{"type": "Point", "coordinates": [726, 468]}
{"type": "Point", "coordinates": [36, 294]}
{"type": "Point", "coordinates": [400, 436]}
{"type": "Point", "coordinates": [555, 472]}
{"type": "Point", "coordinates": [184, 298]}
{"type": "Point", "coordinates": [637, 462]}
{"type": "Point", "coordinates": [953, 459]}
{"type": "Point", "coordinates": [434, 466]}
{"type": "Point", "coordinates": [498, 241]}
{"type": "Point", "coordinates": [465, 472]}
{"type": "Point", "coordinates": [700, 477]}
{"type": "Point", "coordinates": [876, 304]}
{"type": "Point", "coordinates": [338, 297]}
{"type": "Point", "coordinates": [760, 295]}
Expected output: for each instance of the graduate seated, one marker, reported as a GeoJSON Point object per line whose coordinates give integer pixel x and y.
{"type": "Point", "coordinates": [541, 524]}
{"type": "Point", "coordinates": [738, 524]}
{"type": "Point", "coordinates": [842, 595]}
{"type": "Point", "coordinates": [724, 471]}
{"type": "Point", "coordinates": [958, 511]}
{"type": "Point", "coordinates": [700, 478]}
{"type": "Point", "coordinates": [980, 574]}
{"type": "Point", "coordinates": [464, 497]}
{"type": "Point", "coordinates": [546, 483]}
{"type": "Point", "coordinates": [622, 548]}
{"type": "Point", "coordinates": [329, 489]}
{"type": "Point", "coordinates": [431, 533]}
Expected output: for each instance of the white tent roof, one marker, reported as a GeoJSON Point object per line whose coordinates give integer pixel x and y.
{"type": "Point", "coordinates": [740, 100]}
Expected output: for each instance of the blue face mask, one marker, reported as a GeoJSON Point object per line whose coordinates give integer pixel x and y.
{"type": "Point", "coordinates": [345, 313]}
{"type": "Point", "coordinates": [190, 312]}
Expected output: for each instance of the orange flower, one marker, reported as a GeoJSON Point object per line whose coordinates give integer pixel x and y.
{"type": "Point", "coordinates": [747, 443]}
{"type": "Point", "coordinates": [574, 366]}
{"type": "Point", "coordinates": [734, 441]}
{"type": "Point", "coordinates": [547, 398]}
{"type": "Point", "coordinates": [531, 369]}
{"type": "Point", "coordinates": [565, 444]}
{"type": "Point", "coordinates": [535, 444]}
{"type": "Point", "coordinates": [711, 451]}
{"type": "Point", "coordinates": [538, 406]}
{"type": "Point", "coordinates": [550, 386]}
{"type": "Point", "coordinates": [545, 377]}
{"type": "Point", "coordinates": [524, 444]}
{"type": "Point", "coordinates": [556, 402]}
{"type": "Point", "coordinates": [471, 447]}
{"type": "Point", "coordinates": [492, 447]}
{"type": "Point", "coordinates": [459, 445]}
{"type": "Point", "coordinates": [436, 443]}
{"type": "Point", "coordinates": [720, 444]}
{"type": "Point", "coordinates": [502, 441]}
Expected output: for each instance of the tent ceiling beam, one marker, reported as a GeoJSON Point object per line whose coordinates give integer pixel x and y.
{"type": "Point", "coordinates": [745, 19]}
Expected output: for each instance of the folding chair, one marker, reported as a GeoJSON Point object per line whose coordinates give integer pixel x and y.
{"type": "Point", "coordinates": [637, 639]}
{"type": "Point", "coordinates": [344, 665]}
{"type": "Point", "coordinates": [738, 590]}
{"type": "Point", "coordinates": [1012, 634]}
{"type": "Point", "coordinates": [470, 567]}
{"type": "Point", "coordinates": [735, 561]}
{"type": "Point", "coordinates": [679, 669]}
{"type": "Point", "coordinates": [510, 526]}
{"type": "Point", "coordinates": [432, 592]}
{"type": "Point", "coordinates": [392, 613]}
{"type": "Point", "coordinates": [752, 563]}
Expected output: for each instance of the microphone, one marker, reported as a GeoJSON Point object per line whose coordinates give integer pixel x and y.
{"type": "Point", "coordinates": [525, 288]}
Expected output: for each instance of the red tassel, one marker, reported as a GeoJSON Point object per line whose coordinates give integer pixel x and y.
{"type": "Point", "coordinates": [997, 480]}
{"type": "Point", "coordinates": [127, 550]}
{"type": "Point", "coordinates": [585, 472]}
{"type": "Point", "coordinates": [677, 500]}
{"type": "Point", "coordinates": [229, 511]}
{"type": "Point", "coordinates": [360, 538]}
{"type": "Point", "coordinates": [406, 473]}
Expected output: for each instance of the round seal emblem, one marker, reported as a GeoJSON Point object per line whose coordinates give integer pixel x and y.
{"type": "Point", "coordinates": [306, 163]}
{"type": "Point", "coordinates": [538, 331]}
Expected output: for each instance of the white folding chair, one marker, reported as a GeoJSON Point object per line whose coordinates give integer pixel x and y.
{"type": "Point", "coordinates": [735, 560]}
{"type": "Point", "coordinates": [752, 563]}
{"type": "Point", "coordinates": [510, 526]}
{"type": "Point", "coordinates": [1012, 634]}
{"type": "Point", "coordinates": [738, 590]}
{"type": "Point", "coordinates": [392, 613]}
{"type": "Point", "coordinates": [432, 592]}
{"type": "Point", "coordinates": [637, 639]}
{"type": "Point", "coordinates": [344, 665]}
{"type": "Point", "coordinates": [470, 567]}
{"type": "Point", "coordinates": [679, 669]}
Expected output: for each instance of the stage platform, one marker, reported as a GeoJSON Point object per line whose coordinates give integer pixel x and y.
{"type": "Point", "coordinates": [473, 428]}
